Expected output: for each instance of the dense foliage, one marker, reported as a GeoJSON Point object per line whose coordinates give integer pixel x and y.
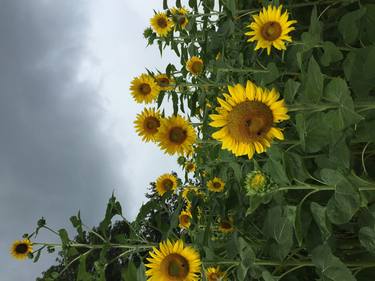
{"type": "Point", "coordinates": [302, 210]}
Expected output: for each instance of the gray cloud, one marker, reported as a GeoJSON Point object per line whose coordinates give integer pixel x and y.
{"type": "Point", "coordinates": [55, 154]}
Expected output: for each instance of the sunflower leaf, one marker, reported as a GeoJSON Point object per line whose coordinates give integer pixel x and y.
{"type": "Point", "coordinates": [313, 82]}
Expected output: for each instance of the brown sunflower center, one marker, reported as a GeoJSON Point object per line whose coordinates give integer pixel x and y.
{"type": "Point", "coordinates": [176, 267]}
{"type": "Point", "coordinates": [216, 185]}
{"type": "Point", "coordinates": [271, 30]}
{"type": "Point", "coordinates": [214, 277]}
{"type": "Point", "coordinates": [163, 82]}
{"type": "Point", "coordinates": [249, 120]}
{"type": "Point", "coordinates": [226, 225]}
{"type": "Point", "coordinates": [177, 135]}
{"type": "Point", "coordinates": [167, 184]}
{"type": "Point", "coordinates": [185, 219]}
{"type": "Point", "coordinates": [197, 67]}
{"type": "Point", "coordinates": [190, 166]}
{"type": "Point", "coordinates": [152, 124]}
{"type": "Point", "coordinates": [181, 20]}
{"type": "Point", "coordinates": [162, 23]}
{"type": "Point", "coordinates": [21, 248]}
{"type": "Point", "coordinates": [145, 89]}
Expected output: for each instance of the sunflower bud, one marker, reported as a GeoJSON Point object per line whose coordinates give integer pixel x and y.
{"type": "Point", "coordinates": [256, 182]}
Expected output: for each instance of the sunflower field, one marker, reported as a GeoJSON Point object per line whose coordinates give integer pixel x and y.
{"type": "Point", "coordinates": [274, 125]}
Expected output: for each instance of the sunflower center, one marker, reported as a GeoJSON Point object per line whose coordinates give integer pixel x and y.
{"type": "Point", "coordinates": [181, 20]}
{"type": "Point", "coordinates": [185, 219]}
{"type": "Point", "coordinates": [197, 67]}
{"type": "Point", "coordinates": [163, 82]}
{"type": "Point", "coordinates": [271, 30]}
{"type": "Point", "coordinates": [145, 89]}
{"type": "Point", "coordinates": [176, 267]}
{"type": "Point", "coordinates": [250, 120]}
{"type": "Point", "coordinates": [216, 185]}
{"type": "Point", "coordinates": [190, 166]}
{"type": "Point", "coordinates": [225, 225]}
{"type": "Point", "coordinates": [177, 135]}
{"type": "Point", "coordinates": [152, 124]}
{"type": "Point", "coordinates": [214, 277]}
{"type": "Point", "coordinates": [162, 23]}
{"type": "Point", "coordinates": [167, 184]}
{"type": "Point", "coordinates": [21, 248]}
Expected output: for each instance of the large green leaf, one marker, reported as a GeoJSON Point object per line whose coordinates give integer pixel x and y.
{"type": "Point", "coordinates": [313, 83]}
{"type": "Point", "coordinates": [329, 267]}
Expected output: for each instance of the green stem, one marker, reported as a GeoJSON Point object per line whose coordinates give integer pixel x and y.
{"type": "Point", "coordinates": [320, 188]}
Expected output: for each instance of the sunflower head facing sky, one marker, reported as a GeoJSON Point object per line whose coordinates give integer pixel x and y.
{"type": "Point", "coordinates": [195, 65]}
{"type": "Point", "coordinates": [161, 24]}
{"type": "Point", "coordinates": [147, 124]}
{"type": "Point", "coordinates": [144, 89]}
{"type": "Point", "coordinates": [216, 185]}
{"type": "Point", "coordinates": [173, 262]}
{"type": "Point", "coordinates": [214, 274]}
{"type": "Point", "coordinates": [176, 135]}
{"type": "Point", "coordinates": [180, 16]}
{"type": "Point", "coordinates": [20, 249]}
{"type": "Point", "coordinates": [247, 117]}
{"type": "Point", "coordinates": [270, 28]}
{"type": "Point", "coordinates": [185, 219]}
{"type": "Point", "coordinates": [165, 82]}
{"type": "Point", "coordinates": [165, 183]}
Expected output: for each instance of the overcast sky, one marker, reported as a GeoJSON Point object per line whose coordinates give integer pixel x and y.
{"type": "Point", "coordinates": [66, 116]}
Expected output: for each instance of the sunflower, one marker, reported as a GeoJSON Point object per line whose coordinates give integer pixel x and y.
{"type": "Point", "coordinates": [190, 166]}
{"type": "Point", "coordinates": [147, 124]}
{"type": "Point", "coordinates": [195, 65]}
{"type": "Point", "coordinates": [270, 28]}
{"type": "Point", "coordinates": [179, 16]}
{"type": "Point", "coordinates": [216, 185]}
{"type": "Point", "coordinates": [20, 249]}
{"type": "Point", "coordinates": [176, 135]}
{"type": "Point", "coordinates": [166, 182]}
{"type": "Point", "coordinates": [256, 182]}
{"type": "Point", "coordinates": [161, 24]}
{"type": "Point", "coordinates": [226, 225]}
{"type": "Point", "coordinates": [144, 89]}
{"type": "Point", "coordinates": [185, 219]}
{"type": "Point", "coordinates": [214, 274]}
{"type": "Point", "coordinates": [173, 262]}
{"type": "Point", "coordinates": [247, 117]}
{"type": "Point", "coordinates": [165, 82]}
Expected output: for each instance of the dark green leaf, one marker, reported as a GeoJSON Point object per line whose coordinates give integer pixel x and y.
{"type": "Point", "coordinates": [329, 267]}
{"type": "Point", "coordinates": [313, 80]}
{"type": "Point", "coordinates": [367, 238]}
{"type": "Point", "coordinates": [349, 25]}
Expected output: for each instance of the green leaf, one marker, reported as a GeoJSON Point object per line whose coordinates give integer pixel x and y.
{"type": "Point", "coordinates": [367, 238]}
{"type": "Point", "coordinates": [82, 274]}
{"type": "Point", "coordinates": [237, 170]}
{"type": "Point", "coordinates": [130, 272]}
{"type": "Point", "coordinates": [320, 218]}
{"type": "Point", "coordinates": [337, 91]}
{"type": "Point", "coordinates": [271, 75]}
{"type": "Point", "coordinates": [331, 54]}
{"type": "Point", "coordinates": [329, 267]}
{"type": "Point", "coordinates": [349, 25]}
{"type": "Point", "coordinates": [345, 202]}
{"type": "Point", "coordinates": [278, 227]}
{"type": "Point", "coordinates": [175, 103]}
{"type": "Point", "coordinates": [231, 6]}
{"type": "Point", "coordinates": [113, 209]}
{"type": "Point", "coordinates": [360, 71]}
{"type": "Point", "coordinates": [290, 90]}
{"type": "Point", "coordinates": [313, 82]}
{"type": "Point", "coordinates": [267, 276]}
{"type": "Point", "coordinates": [247, 256]}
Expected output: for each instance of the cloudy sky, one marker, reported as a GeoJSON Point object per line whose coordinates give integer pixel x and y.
{"type": "Point", "coordinates": [67, 139]}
